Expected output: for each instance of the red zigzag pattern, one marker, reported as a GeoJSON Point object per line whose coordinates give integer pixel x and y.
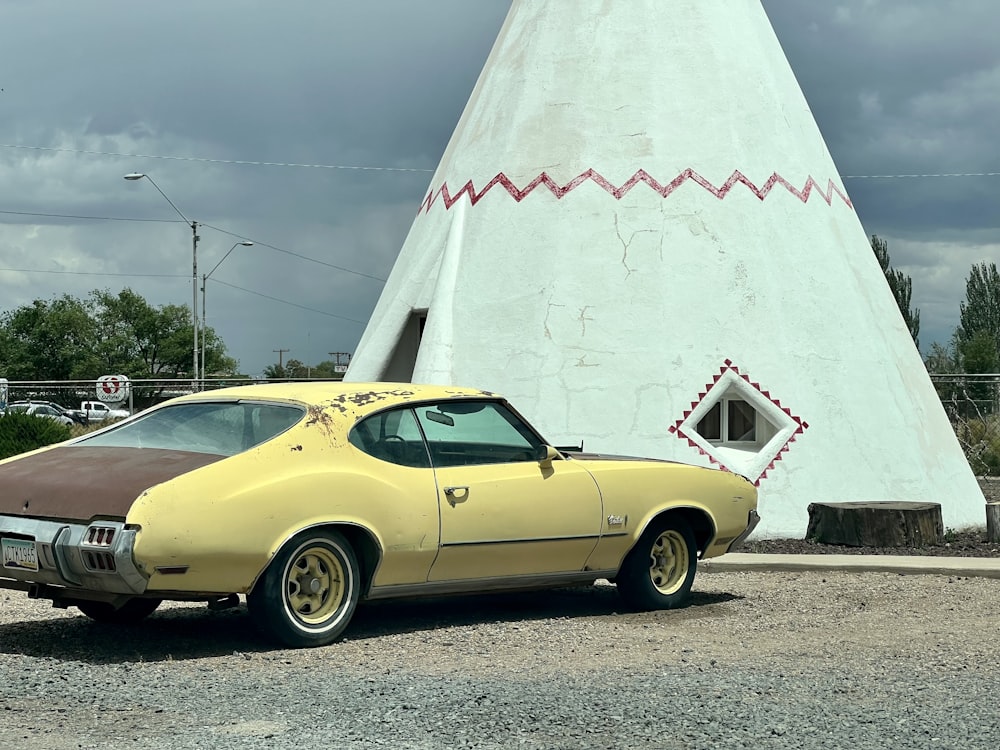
{"type": "Point", "coordinates": [559, 191]}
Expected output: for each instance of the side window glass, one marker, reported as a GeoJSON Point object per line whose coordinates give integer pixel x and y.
{"type": "Point", "coordinates": [463, 433]}
{"type": "Point", "coordinates": [391, 436]}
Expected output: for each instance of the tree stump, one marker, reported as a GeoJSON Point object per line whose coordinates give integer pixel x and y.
{"type": "Point", "coordinates": [993, 522]}
{"type": "Point", "coordinates": [877, 524]}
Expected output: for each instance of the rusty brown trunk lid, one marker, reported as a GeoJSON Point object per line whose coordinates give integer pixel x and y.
{"type": "Point", "coordinates": [79, 482]}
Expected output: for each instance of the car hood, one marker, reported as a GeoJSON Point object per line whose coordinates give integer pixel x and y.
{"type": "Point", "coordinates": [78, 482]}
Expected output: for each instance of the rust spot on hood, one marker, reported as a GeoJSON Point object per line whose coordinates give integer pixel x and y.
{"type": "Point", "coordinates": [78, 483]}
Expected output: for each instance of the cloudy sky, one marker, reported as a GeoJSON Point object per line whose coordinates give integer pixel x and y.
{"type": "Point", "coordinates": [312, 128]}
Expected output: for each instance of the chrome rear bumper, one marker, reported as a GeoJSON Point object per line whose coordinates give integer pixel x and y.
{"type": "Point", "coordinates": [92, 557]}
{"type": "Point", "coordinates": [753, 518]}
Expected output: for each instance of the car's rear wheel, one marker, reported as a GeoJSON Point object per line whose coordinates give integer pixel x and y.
{"type": "Point", "coordinates": [131, 612]}
{"type": "Point", "coordinates": [660, 569]}
{"type": "Point", "coordinates": [309, 592]}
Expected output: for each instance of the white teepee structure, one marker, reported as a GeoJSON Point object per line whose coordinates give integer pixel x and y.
{"type": "Point", "coordinates": [638, 235]}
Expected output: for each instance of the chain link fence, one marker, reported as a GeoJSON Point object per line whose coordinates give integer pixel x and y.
{"type": "Point", "coordinates": [972, 403]}
{"type": "Point", "coordinates": [139, 395]}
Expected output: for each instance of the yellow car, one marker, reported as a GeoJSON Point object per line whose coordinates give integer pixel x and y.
{"type": "Point", "coordinates": [311, 497]}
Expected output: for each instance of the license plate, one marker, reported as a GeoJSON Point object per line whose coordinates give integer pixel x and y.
{"type": "Point", "coordinates": [19, 554]}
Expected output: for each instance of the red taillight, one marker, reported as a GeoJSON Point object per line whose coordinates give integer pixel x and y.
{"type": "Point", "coordinates": [100, 536]}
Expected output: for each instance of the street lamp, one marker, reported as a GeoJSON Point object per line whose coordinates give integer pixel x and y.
{"type": "Point", "coordinates": [204, 279]}
{"type": "Point", "coordinates": [194, 269]}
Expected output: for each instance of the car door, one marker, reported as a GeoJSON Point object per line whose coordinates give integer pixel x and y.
{"type": "Point", "coordinates": [503, 511]}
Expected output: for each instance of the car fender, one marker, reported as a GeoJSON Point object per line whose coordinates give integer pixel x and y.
{"type": "Point", "coordinates": [615, 544]}
{"type": "Point", "coordinates": [367, 544]}
{"type": "Point", "coordinates": [180, 521]}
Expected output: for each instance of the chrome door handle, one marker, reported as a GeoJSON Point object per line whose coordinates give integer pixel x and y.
{"type": "Point", "coordinates": [456, 495]}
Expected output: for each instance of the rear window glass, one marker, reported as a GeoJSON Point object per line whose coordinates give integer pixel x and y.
{"type": "Point", "coordinates": [223, 429]}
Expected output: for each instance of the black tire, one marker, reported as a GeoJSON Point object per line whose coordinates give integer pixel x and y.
{"type": "Point", "coordinates": [130, 613]}
{"type": "Point", "coordinates": [658, 571]}
{"type": "Point", "coordinates": [309, 592]}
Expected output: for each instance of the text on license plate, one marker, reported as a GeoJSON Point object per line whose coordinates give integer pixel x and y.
{"type": "Point", "coordinates": [19, 554]}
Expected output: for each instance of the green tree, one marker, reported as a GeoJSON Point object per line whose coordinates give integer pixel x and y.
{"type": "Point", "coordinates": [139, 340]}
{"type": "Point", "coordinates": [294, 368]}
{"type": "Point", "coordinates": [52, 340]}
{"type": "Point", "coordinates": [979, 356]}
{"type": "Point", "coordinates": [325, 369]}
{"type": "Point", "coordinates": [70, 339]}
{"type": "Point", "coordinates": [945, 362]}
{"type": "Point", "coordinates": [275, 372]}
{"type": "Point", "coordinates": [901, 286]}
{"type": "Point", "coordinates": [981, 309]}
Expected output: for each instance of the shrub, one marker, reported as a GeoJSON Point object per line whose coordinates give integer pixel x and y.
{"type": "Point", "coordinates": [20, 433]}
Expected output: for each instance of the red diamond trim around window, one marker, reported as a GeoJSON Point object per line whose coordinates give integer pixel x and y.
{"type": "Point", "coordinates": [788, 424]}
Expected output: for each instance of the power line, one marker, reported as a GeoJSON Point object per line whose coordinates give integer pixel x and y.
{"type": "Point", "coordinates": [181, 276]}
{"type": "Point", "coordinates": [350, 167]}
{"type": "Point", "coordinates": [99, 273]}
{"type": "Point", "coordinates": [209, 226]}
{"type": "Point", "coordinates": [95, 218]}
{"type": "Point", "coordinates": [286, 302]}
{"type": "Point", "coordinates": [372, 168]}
{"type": "Point", "coordinates": [298, 255]}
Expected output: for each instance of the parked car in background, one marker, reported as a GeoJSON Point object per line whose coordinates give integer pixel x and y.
{"type": "Point", "coordinates": [309, 498]}
{"type": "Point", "coordinates": [98, 411]}
{"type": "Point", "coordinates": [77, 415]}
{"type": "Point", "coordinates": [39, 410]}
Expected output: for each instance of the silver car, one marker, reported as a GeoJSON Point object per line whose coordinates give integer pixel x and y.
{"type": "Point", "coordinates": [40, 410]}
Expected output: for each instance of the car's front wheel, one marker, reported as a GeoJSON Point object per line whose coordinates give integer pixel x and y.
{"type": "Point", "coordinates": [131, 612]}
{"type": "Point", "coordinates": [659, 571]}
{"type": "Point", "coordinates": [309, 592]}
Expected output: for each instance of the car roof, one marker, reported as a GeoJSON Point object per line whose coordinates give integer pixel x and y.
{"type": "Point", "coordinates": [358, 399]}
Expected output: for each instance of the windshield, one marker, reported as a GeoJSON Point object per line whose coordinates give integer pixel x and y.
{"type": "Point", "coordinates": [223, 429]}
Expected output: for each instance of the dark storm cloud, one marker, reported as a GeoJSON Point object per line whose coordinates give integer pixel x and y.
{"type": "Point", "coordinates": [896, 86]}
{"type": "Point", "coordinates": [902, 88]}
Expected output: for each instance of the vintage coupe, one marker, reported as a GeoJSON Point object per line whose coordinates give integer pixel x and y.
{"type": "Point", "coordinates": [311, 497]}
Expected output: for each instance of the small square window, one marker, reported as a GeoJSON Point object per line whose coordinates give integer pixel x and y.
{"type": "Point", "coordinates": [742, 423]}
{"type": "Point", "coordinates": [730, 420]}
{"type": "Point", "coordinates": [710, 427]}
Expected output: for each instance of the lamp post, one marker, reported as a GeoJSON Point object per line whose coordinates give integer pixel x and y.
{"type": "Point", "coordinates": [194, 270]}
{"type": "Point", "coordinates": [204, 281]}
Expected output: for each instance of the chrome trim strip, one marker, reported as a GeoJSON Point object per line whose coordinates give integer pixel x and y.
{"type": "Point", "coordinates": [483, 585]}
{"type": "Point", "coordinates": [525, 541]}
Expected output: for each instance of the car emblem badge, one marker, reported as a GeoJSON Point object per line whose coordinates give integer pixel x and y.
{"type": "Point", "coordinates": [616, 521]}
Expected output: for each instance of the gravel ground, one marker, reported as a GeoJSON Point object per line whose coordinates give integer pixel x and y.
{"type": "Point", "coordinates": [759, 660]}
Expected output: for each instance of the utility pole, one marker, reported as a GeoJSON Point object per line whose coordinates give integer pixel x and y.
{"type": "Point", "coordinates": [337, 366]}
{"type": "Point", "coordinates": [281, 354]}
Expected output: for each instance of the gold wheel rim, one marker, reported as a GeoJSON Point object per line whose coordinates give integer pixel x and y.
{"type": "Point", "coordinates": [314, 585]}
{"type": "Point", "coordinates": [668, 562]}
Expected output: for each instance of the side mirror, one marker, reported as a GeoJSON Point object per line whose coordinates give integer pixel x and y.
{"type": "Point", "coordinates": [546, 455]}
